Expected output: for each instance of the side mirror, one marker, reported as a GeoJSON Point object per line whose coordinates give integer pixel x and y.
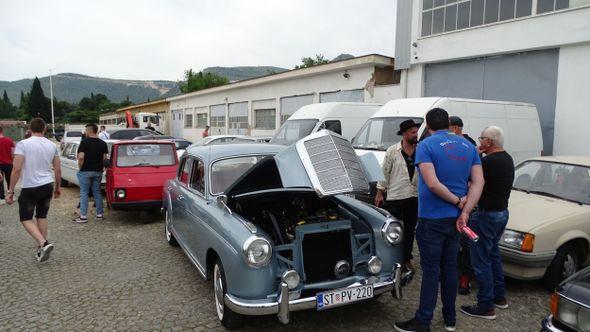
{"type": "Point", "coordinates": [107, 163]}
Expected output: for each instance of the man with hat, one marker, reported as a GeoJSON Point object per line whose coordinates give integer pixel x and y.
{"type": "Point", "coordinates": [456, 126]}
{"type": "Point", "coordinates": [400, 188]}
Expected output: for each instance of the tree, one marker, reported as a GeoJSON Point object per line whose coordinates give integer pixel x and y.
{"type": "Point", "coordinates": [310, 62]}
{"type": "Point", "coordinates": [38, 105]}
{"type": "Point", "coordinates": [7, 109]}
{"type": "Point", "coordinates": [200, 81]}
{"type": "Point", "coordinates": [5, 98]}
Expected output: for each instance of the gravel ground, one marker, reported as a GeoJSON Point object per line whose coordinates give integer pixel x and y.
{"type": "Point", "coordinates": [119, 274]}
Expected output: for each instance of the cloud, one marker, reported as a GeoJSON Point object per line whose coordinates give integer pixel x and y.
{"type": "Point", "coordinates": [160, 39]}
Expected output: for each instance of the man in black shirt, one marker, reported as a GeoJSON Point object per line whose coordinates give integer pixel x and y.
{"type": "Point", "coordinates": [489, 222]}
{"type": "Point", "coordinates": [91, 154]}
{"type": "Point", "coordinates": [456, 126]}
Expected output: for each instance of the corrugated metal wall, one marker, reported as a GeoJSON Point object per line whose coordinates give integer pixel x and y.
{"type": "Point", "coordinates": [525, 77]}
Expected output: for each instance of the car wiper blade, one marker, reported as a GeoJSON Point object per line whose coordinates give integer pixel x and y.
{"type": "Point", "coordinates": [520, 189]}
{"type": "Point", "coordinates": [544, 193]}
{"type": "Point", "coordinates": [143, 164]}
{"type": "Point", "coordinates": [368, 148]}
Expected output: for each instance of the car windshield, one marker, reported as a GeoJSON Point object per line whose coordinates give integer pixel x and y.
{"type": "Point", "coordinates": [294, 130]}
{"type": "Point", "coordinates": [153, 137]}
{"type": "Point", "coordinates": [181, 144]}
{"type": "Point", "coordinates": [145, 155]}
{"type": "Point", "coordinates": [153, 119]}
{"type": "Point", "coordinates": [74, 134]}
{"type": "Point", "coordinates": [204, 141]}
{"type": "Point", "coordinates": [380, 133]}
{"type": "Point", "coordinates": [564, 181]}
{"type": "Point", "coordinates": [225, 172]}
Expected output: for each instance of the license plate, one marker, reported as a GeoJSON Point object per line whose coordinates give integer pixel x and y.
{"type": "Point", "coordinates": [344, 296]}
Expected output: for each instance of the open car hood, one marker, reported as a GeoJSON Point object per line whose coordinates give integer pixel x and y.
{"type": "Point", "coordinates": [324, 162]}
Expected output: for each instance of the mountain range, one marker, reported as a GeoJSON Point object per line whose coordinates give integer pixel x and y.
{"type": "Point", "coordinates": [72, 87]}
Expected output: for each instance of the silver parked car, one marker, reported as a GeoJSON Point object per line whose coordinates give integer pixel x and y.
{"type": "Point", "coordinates": [277, 229]}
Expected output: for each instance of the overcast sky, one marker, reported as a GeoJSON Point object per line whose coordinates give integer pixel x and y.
{"type": "Point", "coordinates": [148, 39]}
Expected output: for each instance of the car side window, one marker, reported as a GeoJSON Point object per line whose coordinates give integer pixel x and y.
{"type": "Point", "coordinates": [198, 176]}
{"type": "Point", "coordinates": [333, 125]}
{"type": "Point", "coordinates": [74, 152]}
{"type": "Point", "coordinates": [64, 152]}
{"type": "Point", "coordinates": [183, 175]}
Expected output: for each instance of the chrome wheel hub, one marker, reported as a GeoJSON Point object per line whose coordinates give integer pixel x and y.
{"type": "Point", "coordinates": [167, 227]}
{"type": "Point", "coordinates": [218, 289]}
{"type": "Point", "coordinates": [569, 266]}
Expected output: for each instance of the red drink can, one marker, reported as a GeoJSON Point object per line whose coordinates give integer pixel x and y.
{"type": "Point", "coordinates": [470, 234]}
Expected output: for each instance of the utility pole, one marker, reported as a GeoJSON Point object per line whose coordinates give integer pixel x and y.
{"type": "Point", "coordinates": [51, 95]}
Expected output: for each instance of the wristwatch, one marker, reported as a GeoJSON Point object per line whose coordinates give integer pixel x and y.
{"type": "Point", "coordinates": [458, 202]}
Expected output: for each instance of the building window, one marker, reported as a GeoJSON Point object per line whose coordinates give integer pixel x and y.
{"type": "Point", "coordinates": [218, 116]}
{"type": "Point", "coordinates": [188, 121]}
{"type": "Point", "coordinates": [238, 118]}
{"type": "Point", "coordinates": [544, 6]}
{"type": "Point", "coordinates": [218, 121]}
{"type": "Point", "coordinates": [440, 16]}
{"type": "Point", "coordinates": [265, 118]}
{"type": "Point", "coordinates": [201, 120]}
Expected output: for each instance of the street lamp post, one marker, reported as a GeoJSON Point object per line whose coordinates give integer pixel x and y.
{"type": "Point", "coordinates": [51, 95]}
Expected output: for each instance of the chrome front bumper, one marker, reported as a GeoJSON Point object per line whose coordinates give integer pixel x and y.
{"type": "Point", "coordinates": [283, 306]}
{"type": "Point", "coordinates": [547, 325]}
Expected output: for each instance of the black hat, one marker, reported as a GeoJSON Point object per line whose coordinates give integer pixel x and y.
{"type": "Point", "coordinates": [455, 121]}
{"type": "Point", "coordinates": [407, 125]}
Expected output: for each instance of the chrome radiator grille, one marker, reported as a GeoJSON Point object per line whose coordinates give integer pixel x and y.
{"type": "Point", "coordinates": [335, 165]}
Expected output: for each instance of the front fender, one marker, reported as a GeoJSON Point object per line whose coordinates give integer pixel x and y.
{"type": "Point", "coordinates": [227, 239]}
{"type": "Point", "coordinates": [390, 255]}
{"type": "Point", "coordinates": [570, 235]}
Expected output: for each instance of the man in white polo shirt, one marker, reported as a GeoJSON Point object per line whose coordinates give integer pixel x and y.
{"type": "Point", "coordinates": [33, 158]}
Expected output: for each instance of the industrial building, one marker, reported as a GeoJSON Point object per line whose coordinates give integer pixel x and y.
{"type": "Point", "coordinates": [532, 51]}
{"type": "Point", "coordinates": [259, 106]}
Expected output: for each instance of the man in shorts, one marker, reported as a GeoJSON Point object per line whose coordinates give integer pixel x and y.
{"type": "Point", "coordinates": [34, 159]}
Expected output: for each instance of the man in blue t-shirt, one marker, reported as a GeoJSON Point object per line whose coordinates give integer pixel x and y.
{"type": "Point", "coordinates": [446, 164]}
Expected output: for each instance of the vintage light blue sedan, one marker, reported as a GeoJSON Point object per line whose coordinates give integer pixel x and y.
{"type": "Point", "coordinates": [278, 229]}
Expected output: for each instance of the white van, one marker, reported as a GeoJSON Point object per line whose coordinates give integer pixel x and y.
{"type": "Point", "coordinates": [340, 117]}
{"type": "Point", "coordinates": [520, 122]}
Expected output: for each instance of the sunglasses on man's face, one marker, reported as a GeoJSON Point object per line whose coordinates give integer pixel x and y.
{"type": "Point", "coordinates": [483, 137]}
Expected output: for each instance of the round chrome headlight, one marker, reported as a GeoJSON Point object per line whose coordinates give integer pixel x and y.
{"type": "Point", "coordinates": [120, 194]}
{"type": "Point", "coordinates": [393, 232]}
{"type": "Point", "coordinates": [291, 278]}
{"type": "Point", "coordinates": [257, 251]}
{"type": "Point", "coordinates": [374, 265]}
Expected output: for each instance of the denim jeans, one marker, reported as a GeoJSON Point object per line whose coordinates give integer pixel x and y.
{"type": "Point", "coordinates": [438, 242]}
{"type": "Point", "coordinates": [90, 181]}
{"type": "Point", "coordinates": [485, 256]}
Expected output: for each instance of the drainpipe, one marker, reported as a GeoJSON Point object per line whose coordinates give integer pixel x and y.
{"type": "Point", "coordinates": [404, 80]}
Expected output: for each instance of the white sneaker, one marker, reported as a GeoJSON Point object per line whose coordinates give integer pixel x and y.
{"type": "Point", "coordinates": [43, 252]}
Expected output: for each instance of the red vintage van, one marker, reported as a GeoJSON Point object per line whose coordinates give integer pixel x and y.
{"type": "Point", "coordinates": [136, 174]}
